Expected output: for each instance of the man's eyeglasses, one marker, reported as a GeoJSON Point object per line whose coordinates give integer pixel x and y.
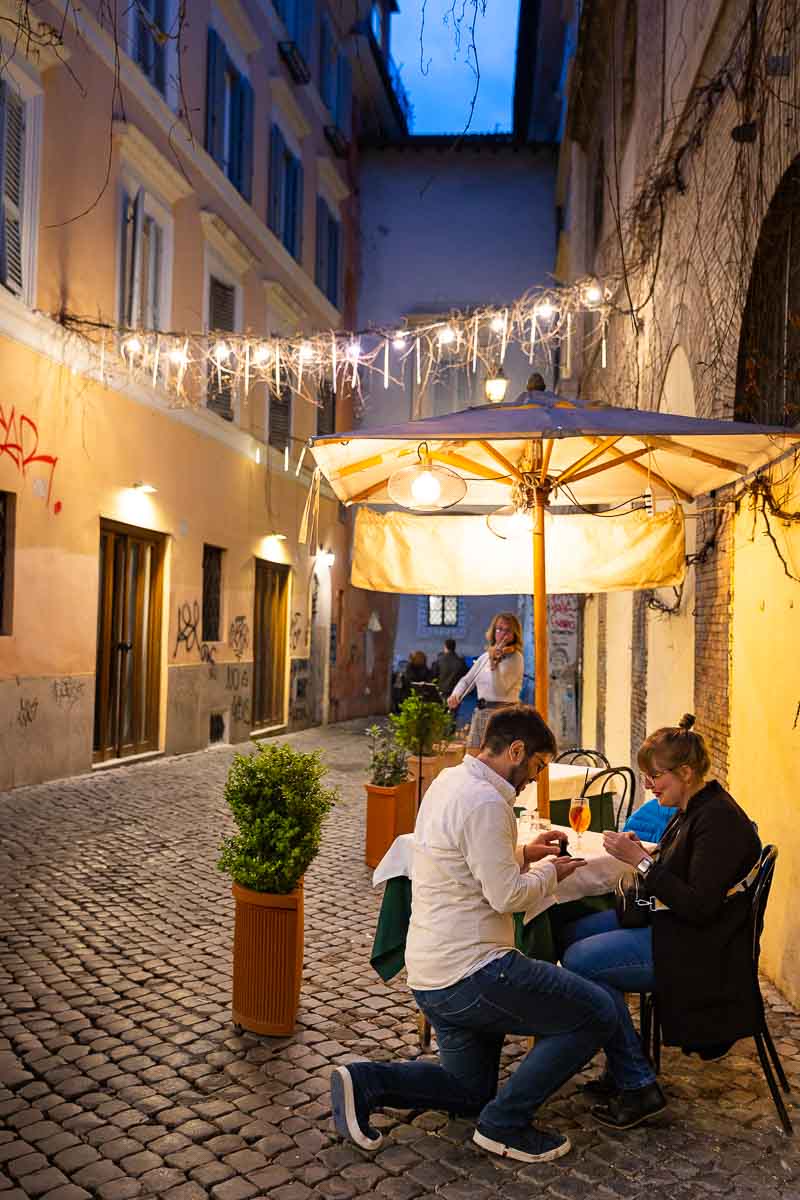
{"type": "Point", "coordinates": [539, 766]}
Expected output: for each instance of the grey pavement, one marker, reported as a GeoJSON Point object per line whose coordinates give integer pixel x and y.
{"type": "Point", "coordinates": [121, 1074]}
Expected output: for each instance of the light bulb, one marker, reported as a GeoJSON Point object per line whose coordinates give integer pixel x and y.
{"type": "Point", "coordinates": [261, 354]}
{"type": "Point", "coordinates": [497, 324]}
{"type": "Point", "coordinates": [353, 351]}
{"type": "Point", "coordinates": [222, 352]}
{"type": "Point", "coordinates": [544, 311]}
{"type": "Point", "coordinates": [519, 523]}
{"type": "Point", "coordinates": [426, 488]}
{"type": "Point", "coordinates": [306, 351]}
{"type": "Point", "coordinates": [447, 335]}
{"type": "Point", "coordinates": [178, 356]}
{"type": "Point", "coordinates": [593, 294]}
{"type": "Point", "coordinates": [399, 342]}
{"type": "Point", "coordinates": [132, 346]}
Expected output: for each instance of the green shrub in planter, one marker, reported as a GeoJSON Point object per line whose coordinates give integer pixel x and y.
{"type": "Point", "coordinates": [421, 724]}
{"type": "Point", "coordinates": [278, 803]}
{"type": "Point", "coordinates": [387, 762]}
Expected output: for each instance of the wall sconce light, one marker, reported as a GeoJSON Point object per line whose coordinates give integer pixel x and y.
{"type": "Point", "coordinates": [146, 488]}
{"type": "Point", "coordinates": [495, 386]}
{"type": "Point", "coordinates": [326, 558]}
{"type": "Point", "coordinates": [276, 537]}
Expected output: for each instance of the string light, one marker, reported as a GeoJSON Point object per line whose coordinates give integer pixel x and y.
{"type": "Point", "coordinates": [261, 354]}
{"type": "Point", "coordinates": [447, 335]}
{"type": "Point", "coordinates": [399, 341]}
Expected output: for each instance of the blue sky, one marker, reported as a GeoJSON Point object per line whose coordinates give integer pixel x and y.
{"type": "Point", "coordinates": [442, 97]}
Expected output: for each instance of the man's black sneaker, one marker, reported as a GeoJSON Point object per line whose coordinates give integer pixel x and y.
{"type": "Point", "coordinates": [629, 1108]}
{"type": "Point", "coordinates": [602, 1087]}
{"type": "Point", "coordinates": [528, 1144]}
{"type": "Point", "coordinates": [350, 1112]}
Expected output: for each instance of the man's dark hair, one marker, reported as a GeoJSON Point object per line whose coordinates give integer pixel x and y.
{"type": "Point", "coordinates": [518, 723]}
{"type": "Point", "coordinates": [450, 644]}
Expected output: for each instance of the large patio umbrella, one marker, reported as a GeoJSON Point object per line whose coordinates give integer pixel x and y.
{"type": "Point", "coordinates": [540, 450]}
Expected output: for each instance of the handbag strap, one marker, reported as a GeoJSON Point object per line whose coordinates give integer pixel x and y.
{"type": "Point", "coordinates": [744, 885]}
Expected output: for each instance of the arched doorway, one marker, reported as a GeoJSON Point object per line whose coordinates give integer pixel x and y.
{"type": "Point", "coordinates": [768, 366]}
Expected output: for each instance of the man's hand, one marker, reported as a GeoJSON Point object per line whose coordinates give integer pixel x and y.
{"type": "Point", "coordinates": [623, 847]}
{"type": "Point", "coordinates": [566, 866]}
{"type": "Point", "coordinates": [542, 845]}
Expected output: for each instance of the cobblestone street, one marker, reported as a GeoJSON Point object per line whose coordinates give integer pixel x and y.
{"type": "Point", "coordinates": [121, 1074]}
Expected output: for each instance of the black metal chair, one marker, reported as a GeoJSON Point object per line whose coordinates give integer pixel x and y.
{"type": "Point", "coordinates": [627, 795]}
{"type": "Point", "coordinates": [582, 758]}
{"type": "Point", "coordinates": [650, 1023]}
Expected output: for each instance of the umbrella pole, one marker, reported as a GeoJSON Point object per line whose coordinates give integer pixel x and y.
{"type": "Point", "coordinates": [540, 636]}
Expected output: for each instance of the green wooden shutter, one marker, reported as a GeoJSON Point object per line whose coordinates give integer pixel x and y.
{"type": "Point", "coordinates": [215, 98]}
{"type": "Point", "coordinates": [12, 167]}
{"type": "Point", "coordinates": [277, 155]}
{"type": "Point", "coordinates": [245, 139]}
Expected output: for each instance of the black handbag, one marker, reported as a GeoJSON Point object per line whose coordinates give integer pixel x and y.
{"type": "Point", "coordinates": [632, 903]}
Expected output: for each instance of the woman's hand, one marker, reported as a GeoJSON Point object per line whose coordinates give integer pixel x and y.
{"type": "Point", "coordinates": [624, 847]}
{"type": "Point", "coordinates": [452, 702]}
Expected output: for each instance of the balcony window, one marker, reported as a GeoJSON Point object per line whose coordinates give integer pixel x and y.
{"type": "Point", "coordinates": [328, 269]}
{"type": "Point", "coordinates": [229, 117]}
{"type": "Point", "coordinates": [285, 206]}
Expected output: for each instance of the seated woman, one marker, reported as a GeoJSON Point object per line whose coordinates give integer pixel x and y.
{"type": "Point", "coordinates": [696, 954]}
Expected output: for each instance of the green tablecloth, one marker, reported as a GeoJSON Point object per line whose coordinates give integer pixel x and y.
{"type": "Point", "coordinates": [537, 939]}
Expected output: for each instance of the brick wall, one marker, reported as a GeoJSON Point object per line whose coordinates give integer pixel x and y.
{"type": "Point", "coordinates": [638, 672]}
{"type": "Point", "coordinates": [712, 644]}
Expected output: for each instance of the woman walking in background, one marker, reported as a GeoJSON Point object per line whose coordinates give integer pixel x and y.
{"type": "Point", "coordinates": [496, 675]}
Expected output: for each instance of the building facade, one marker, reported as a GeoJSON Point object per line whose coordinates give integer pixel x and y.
{"type": "Point", "coordinates": [678, 191]}
{"type": "Point", "coordinates": [183, 176]}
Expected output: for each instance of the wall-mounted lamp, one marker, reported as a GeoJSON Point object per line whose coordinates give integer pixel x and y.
{"type": "Point", "coordinates": [326, 558]}
{"type": "Point", "coordinates": [146, 488]}
{"type": "Point", "coordinates": [276, 537]}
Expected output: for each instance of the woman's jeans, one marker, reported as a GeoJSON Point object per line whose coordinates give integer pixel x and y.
{"type": "Point", "coordinates": [619, 960]}
{"type": "Point", "coordinates": [570, 1018]}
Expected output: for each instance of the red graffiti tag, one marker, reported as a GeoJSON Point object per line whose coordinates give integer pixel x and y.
{"type": "Point", "coordinates": [19, 439]}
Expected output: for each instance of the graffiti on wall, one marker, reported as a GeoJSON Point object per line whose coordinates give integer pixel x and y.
{"type": "Point", "coordinates": [68, 691]}
{"type": "Point", "coordinates": [298, 633]}
{"type": "Point", "coordinates": [298, 691]}
{"type": "Point", "coordinates": [28, 710]}
{"type": "Point", "coordinates": [239, 636]}
{"type": "Point", "coordinates": [237, 679]}
{"type": "Point", "coordinates": [19, 441]}
{"type": "Point", "coordinates": [187, 634]}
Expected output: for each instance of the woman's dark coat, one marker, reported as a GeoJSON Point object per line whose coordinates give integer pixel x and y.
{"type": "Point", "coordinates": [703, 947]}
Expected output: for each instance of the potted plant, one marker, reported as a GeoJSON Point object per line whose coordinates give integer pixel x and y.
{"type": "Point", "coordinates": [278, 802]}
{"type": "Point", "coordinates": [391, 808]}
{"type": "Point", "coordinates": [420, 726]}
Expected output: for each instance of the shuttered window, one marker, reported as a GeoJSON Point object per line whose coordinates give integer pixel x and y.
{"type": "Point", "coordinates": [229, 117]}
{"type": "Point", "coordinates": [280, 417]}
{"type": "Point", "coordinates": [326, 411]}
{"type": "Point", "coordinates": [150, 45]}
{"type": "Point", "coordinates": [141, 255]}
{"type": "Point", "coordinates": [12, 175]}
{"type": "Point", "coordinates": [212, 593]}
{"type": "Point", "coordinates": [344, 95]}
{"type": "Point", "coordinates": [298, 17]}
{"type": "Point", "coordinates": [334, 76]}
{"type": "Point", "coordinates": [328, 269]}
{"type": "Point", "coordinates": [285, 195]}
{"type": "Point", "coordinates": [221, 319]}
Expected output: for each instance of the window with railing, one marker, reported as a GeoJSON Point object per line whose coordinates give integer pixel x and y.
{"type": "Point", "coordinates": [212, 593]}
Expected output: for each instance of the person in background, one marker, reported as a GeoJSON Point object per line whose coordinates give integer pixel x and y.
{"type": "Point", "coordinates": [469, 875]}
{"type": "Point", "coordinates": [496, 675]}
{"type": "Point", "coordinates": [448, 668]}
{"type": "Point", "coordinates": [696, 953]}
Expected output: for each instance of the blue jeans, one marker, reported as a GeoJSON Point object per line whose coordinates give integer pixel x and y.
{"type": "Point", "coordinates": [570, 1018]}
{"type": "Point", "coordinates": [619, 960]}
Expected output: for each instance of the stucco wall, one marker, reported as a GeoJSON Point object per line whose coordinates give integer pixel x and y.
{"type": "Point", "coordinates": [618, 688]}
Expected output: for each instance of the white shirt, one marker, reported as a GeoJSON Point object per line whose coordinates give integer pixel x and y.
{"type": "Point", "coordinates": [501, 684]}
{"type": "Point", "coordinates": [467, 876]}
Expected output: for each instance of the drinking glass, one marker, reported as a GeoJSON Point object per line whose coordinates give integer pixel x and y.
{"type": "Point", "coordinates": [580, 816]}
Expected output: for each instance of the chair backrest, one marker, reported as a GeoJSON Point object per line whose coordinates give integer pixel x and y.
{"type": "Point", "coordinates": [583, 758]}
{"type": "Point", "coordinates": [760, 896]}
{"type": "Point", "coordinates": [625, 783]}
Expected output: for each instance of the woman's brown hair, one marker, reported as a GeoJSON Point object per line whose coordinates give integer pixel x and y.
{"type": "Point", "coordinates": [516, 629]}
{"type": "Point", "coordinates": [675, 746]}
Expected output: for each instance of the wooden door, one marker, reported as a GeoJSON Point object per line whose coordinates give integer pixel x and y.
{"type": "Point", "coordinates": [128, 642]}
{"type": "Point", "coordinates": [269, 643]}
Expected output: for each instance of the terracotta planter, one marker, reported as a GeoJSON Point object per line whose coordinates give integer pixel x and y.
{"type": "Point", "coordinates": [390, 812]}
{"type": "Point", "coordinates": [267, 960]}
{"type": "Point", "coordinates": [431, 766]}
{"type": "Point", "coordinates": [454, 754]}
